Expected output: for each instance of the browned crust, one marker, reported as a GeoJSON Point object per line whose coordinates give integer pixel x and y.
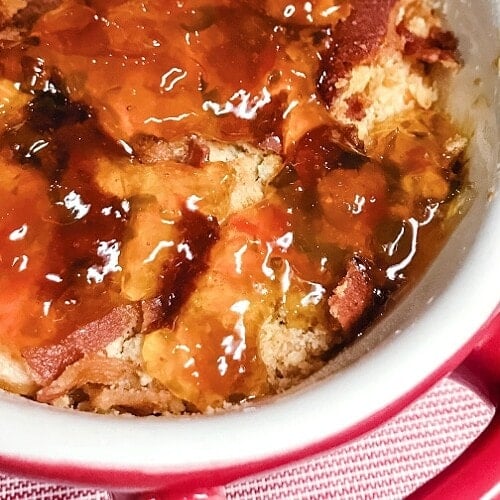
{"type": "Point", "coordinates": [353, 42]}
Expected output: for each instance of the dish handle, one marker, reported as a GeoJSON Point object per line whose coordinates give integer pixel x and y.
{"type": "Point", "coordinates": [476, 473]}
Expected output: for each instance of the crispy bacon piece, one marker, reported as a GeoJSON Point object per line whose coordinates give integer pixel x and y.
{"type": "Point", "coordinates": [353, 42]}
{"type": "Point", "coordinates": [47, 362]}
{"type": "Point", "coordinates": [440, 46]}
{"type": "Point", "coordinates": [91, 369]}
{"type": "Point", "coordinates": [353, 296]}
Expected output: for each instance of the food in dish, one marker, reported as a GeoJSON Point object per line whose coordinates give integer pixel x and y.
{"type": "Point", "coordinates": [202, 202]}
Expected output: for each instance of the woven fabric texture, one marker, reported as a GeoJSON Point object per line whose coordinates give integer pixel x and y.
{"type": "Point", "coordinates": [389, 463]}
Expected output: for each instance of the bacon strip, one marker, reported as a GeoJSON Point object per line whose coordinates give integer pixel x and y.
{"type": "Point", "coordinates": [89, 370]}
{"type": "Point", "coordinates": [353, 296]}
{"type": "Point", "coordinates": [353, 42]}
{"type": "Point", "coordinates": [48, 362]}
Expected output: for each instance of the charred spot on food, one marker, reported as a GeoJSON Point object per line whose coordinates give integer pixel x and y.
{"type": "Point", "coordinates": [199, 234]}
{"type": "Point", "coordinates": [78, 396]}
{"type": "Point", "coordinates": [51, 109]}
{"type": "Point", "coordinates": [323, 149]}
{"type": "Point", "coordinates": [458, 166]}
{"type": "Point", "coordinates": [350, 159]}
{"type": "Point", "coordinates": [237, 398]}
{"type": "Point", "coordinates": [37, 141]}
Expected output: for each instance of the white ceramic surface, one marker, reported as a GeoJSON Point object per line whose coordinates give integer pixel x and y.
{"type": "Point", "coordinates": [427, 328]}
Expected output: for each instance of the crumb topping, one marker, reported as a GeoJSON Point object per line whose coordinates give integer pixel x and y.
{"type": "Point", "coordinates": [202, 202]}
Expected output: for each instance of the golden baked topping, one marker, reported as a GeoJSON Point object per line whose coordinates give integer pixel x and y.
{"type": "Point", "coordinates": [209, 192]}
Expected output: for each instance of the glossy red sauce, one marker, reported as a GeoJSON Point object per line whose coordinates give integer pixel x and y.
{"type": "Point", "coordinates": [103, 75]}
{"type": "Point", "coordinates": [177, 67]}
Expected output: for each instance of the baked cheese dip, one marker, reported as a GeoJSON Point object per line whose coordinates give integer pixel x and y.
{"type": "Point", "coordinates": [202, 202]}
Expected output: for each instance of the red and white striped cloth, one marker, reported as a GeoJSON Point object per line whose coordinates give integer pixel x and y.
{"type": "Point", "coordinates": [389, 463]}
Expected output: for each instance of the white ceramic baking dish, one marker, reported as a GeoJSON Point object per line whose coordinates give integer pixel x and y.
{"type": "Point", "coordinates": [430, 332]}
